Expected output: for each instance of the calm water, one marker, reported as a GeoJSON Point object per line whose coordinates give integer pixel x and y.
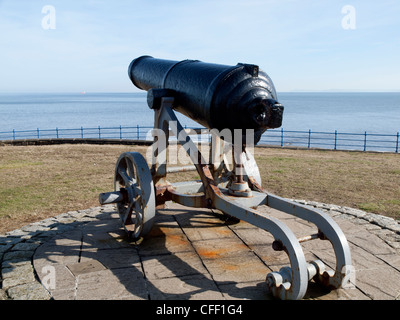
{"type": "Point", "coordinates": [345, 112]}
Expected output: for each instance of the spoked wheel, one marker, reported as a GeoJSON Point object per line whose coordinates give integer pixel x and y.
{"type": "Point", "coordinates": [134, 181]}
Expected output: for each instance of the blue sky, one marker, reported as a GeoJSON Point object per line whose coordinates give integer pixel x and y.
{"type": "Point", "coordinates": [300, 44]}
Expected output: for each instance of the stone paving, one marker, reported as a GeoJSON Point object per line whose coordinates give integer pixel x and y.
{"type": "Point", "coordinates": [189, 254]}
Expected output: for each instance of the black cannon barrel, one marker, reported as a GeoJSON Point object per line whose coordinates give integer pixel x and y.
{"type": "Point", "coordinates": [214, 95]}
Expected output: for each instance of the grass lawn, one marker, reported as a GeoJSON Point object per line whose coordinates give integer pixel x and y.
{"type": "Point", "coordinates": [37, 182]}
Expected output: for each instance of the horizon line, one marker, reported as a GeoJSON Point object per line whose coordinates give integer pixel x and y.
{"type": "Point", "coordinates": [142, 91]}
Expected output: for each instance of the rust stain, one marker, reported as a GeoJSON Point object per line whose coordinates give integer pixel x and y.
{"type": "Point", "coordinates": [219, 252]}
{"type": "Point", "coordinates": [211, 254]}
{"type": "Point", "coordinates": [230, 267]}
{"type": "Point", "coordinates": [177, 239]}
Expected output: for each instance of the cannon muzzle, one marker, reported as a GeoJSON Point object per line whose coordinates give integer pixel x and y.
{"type": "Point", "coordinates": [215, 96]}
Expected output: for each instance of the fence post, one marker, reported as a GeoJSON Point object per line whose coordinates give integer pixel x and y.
{"type": "Point", "coordinates": [397, 143]}
{"type": "Point", "coordinates": [57, 133]}
{"type": "Point", "coordinates": [82, 132]}
{"type": "Point", "coordinates": [309, 138]}
{"type": "Point", "coordinates": [281, 137]}
{"type": "Point", "coordinates": [335, 139]}
{"type": "Point", "coordinates": [120, 132]}
{"type": "Point", "coordinates": [365, 141]}
{"type": "Point", "coordinates": [13, 134]}
{"type": "Point", "coordinates": [137, 131]}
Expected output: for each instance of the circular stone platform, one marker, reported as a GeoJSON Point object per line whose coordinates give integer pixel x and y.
{"type": "Point", "coordinates": [189, 254]}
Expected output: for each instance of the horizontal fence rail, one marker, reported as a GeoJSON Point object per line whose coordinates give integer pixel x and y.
{"type": "Point", "coordinates": [277, 137]}
{"type": "Point", "coordinates": [333, 140]}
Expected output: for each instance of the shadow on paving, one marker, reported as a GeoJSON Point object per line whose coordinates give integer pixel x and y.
{"type": "Point", "coordinates": [189, 254]}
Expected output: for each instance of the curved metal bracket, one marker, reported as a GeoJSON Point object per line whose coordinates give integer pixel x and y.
{"type": "Point", "coordinates": [292, 287]}
{"type": "Point", "coordinates": [331, 232]}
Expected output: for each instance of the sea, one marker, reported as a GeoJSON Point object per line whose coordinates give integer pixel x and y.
{"type": "Point", "coordinates": [346, 112]}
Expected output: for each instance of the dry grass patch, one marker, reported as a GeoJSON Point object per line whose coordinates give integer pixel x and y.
{"type": "Point", "coordinates": [369, 181]}
{"type": "Point", "coordinates": [42, 181]}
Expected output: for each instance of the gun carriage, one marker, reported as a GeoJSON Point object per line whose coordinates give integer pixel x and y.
{"type": "Point", "coordinates": [237, 104]}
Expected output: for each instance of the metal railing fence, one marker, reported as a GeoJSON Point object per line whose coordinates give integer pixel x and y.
{"type": "Point", "coordinates": [277, 137]}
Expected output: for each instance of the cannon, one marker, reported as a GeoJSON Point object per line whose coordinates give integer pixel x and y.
{"type": "Point", "coordinates": [215, 96]}
{"type": "Point", "coordinates": [236, 104]}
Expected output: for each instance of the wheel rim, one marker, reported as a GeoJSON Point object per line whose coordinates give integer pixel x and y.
{"type": "Point", "coordinates": [137, 211]}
